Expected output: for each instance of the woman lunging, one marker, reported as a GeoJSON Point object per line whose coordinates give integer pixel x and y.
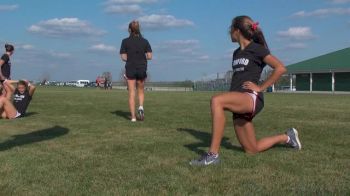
{"type": "Point", "coordinates": [245, 99]}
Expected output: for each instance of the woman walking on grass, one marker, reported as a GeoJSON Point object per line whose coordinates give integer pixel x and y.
{"type": "Point", "coordinates": [135, 51]}
{"type": "Point", "coordinates": [245, 99]}
{"type": "Point", "coordinates": [5, 63]}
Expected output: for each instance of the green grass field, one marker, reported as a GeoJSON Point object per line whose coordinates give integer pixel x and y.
{"type": "Point", "coordinates": [80, 142]}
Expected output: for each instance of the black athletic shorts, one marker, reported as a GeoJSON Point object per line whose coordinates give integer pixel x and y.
{"type": "Point", "coordinates": [136, 73]}
{"type": "Point", "coordinates": [258, 105]}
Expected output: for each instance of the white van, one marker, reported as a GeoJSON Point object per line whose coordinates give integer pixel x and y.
{"type": "Point", "coordinates": [82, 83]}
{"type": "Point", "coordinates": [71, 83]}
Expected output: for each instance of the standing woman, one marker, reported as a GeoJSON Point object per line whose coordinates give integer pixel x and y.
{"type": "Point", "coordinates": [245, 99]}
{"type": "Point", "coordinates": [135, 51]}
{"type": "Point", "coordinates": [5, 63]}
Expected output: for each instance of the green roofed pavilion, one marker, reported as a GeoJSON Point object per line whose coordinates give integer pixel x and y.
{"type": "Point", "coordinates": [329, 72]}
{"type": "Point", "coordinates": [338, 61]}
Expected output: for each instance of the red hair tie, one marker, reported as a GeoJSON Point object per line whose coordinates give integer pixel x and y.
{"type": "Point", "coordinates": [255, 26]}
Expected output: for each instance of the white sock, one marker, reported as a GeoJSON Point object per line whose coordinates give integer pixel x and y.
{"type": "Point", "coordinates": [140, 107]}
{"type": "Point", "coordinates": [214, 154]}
{"type": "Point", "coordinates": [288, 139]}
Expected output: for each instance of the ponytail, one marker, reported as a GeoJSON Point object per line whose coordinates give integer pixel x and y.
{"type": "Point", "coordinates": [134, 28]}
{"type": "Point", "coordinates": [258, 37]}
{"type": "Point", "coordinates": [249, 29]}
{"type": "Point", "coordinates": [9, 48]}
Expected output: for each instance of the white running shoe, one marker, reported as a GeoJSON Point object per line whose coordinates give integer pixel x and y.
{"type": "Point", "coordinates": [294, 141]}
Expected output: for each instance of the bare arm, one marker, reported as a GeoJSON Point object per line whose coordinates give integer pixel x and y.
{"type": "Point", "coordinates": [11, 81]}
{"type": "Point", "coordinates": [149, 55]}
{"type": "Point", "coordinates": [278, 70]}
{"type": "Point", "coordinates": [124, 57]}
{"type": "Point", "coordinates": [9, 88]}
{"type": "Point", "coordinates": [32, 89]}
{"type": "Point", "coordinates": [1, 64]}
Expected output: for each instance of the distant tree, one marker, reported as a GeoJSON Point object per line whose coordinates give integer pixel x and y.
{"type": "Point", "coordinates": [267, 71]}
{"type": "Point", "coordinates": [228, 76]}
{"type": "Point", "coordinates": [148, 79]}
{"type": "Point", "coordinates": [282, 82]}
{"type": "Point", "coordinates": [121, 77]}
{"type": "Point", "coordinates": [107, 75]}
{"type": "Point", "coordinates": [44, 78]}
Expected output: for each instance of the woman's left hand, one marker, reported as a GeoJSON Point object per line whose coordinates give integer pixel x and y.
{"type": "Point", "coordinates": [251, 86]}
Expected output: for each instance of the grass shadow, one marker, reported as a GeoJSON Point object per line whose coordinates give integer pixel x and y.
{"type": "Point", "coordinates": [123, 114]}
{"type": "Point", "coordinates": [30, 114]}
{"type": "Point", "coordinates": [205, 141]}
{"type": "Point", "coordinates": [281, 146]}
{"type": "Point", "coordinates": [33, 137]}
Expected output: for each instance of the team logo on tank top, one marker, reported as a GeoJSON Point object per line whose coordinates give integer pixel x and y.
{"type": "Point", "coordinates": [239, 64]}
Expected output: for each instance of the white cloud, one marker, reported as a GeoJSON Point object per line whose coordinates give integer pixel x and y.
{"type": "Point", "coordinates": [181, 43]}
{"type": "Point", "coordinates": [124, 9]}
{"type": "Point", "coordinates": [65, 27]}
{"type": "Point", "coordinates": [322, 12]}
{"type": "Point", "coordinates": [160, 22]}
{"type": "Point", "coordinates": [297, 33]}
{"type": "Point", "coordinates": [103, 48]}
{"type": "Point", "coordinates": [339, 1]}
{"type": "Point", "coordinates": [126, 6]}
{"type": "Point", "coordinates": [59, 54]}
{"type": "Point", "coordinates": [25, 47]}
{"type": "Point", "coordinates": [179, 46]}
{"type": "Point", "coordinates": [130, 1]}
{"type": "Point", "coordinates": [8, 7]}
{"type": "Point", "coordinates": [19, 46]}
{"type": "Point", "coordinates": [296, 46]}
{"type": "Point", "coordinates": [181, 51]}
{"type": "Point", "coordinates": [204, 57]}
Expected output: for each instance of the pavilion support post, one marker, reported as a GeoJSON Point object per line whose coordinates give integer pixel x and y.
{"type": "Point", "coordinates": [291, 82]}
{"type": "Point", "coordinates": [310, 82]}
{"type": "Point", "coordinates": [333, 82]}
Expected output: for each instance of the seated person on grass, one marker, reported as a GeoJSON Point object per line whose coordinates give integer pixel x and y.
{"type": "Point", "coordinates": [22, 95]}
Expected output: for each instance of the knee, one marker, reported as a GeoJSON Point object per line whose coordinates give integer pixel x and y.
{"type": "Point", "coordinates": [251, 151]}
{"type": "Point", "coordinates": [131, 92]}
{"type": "Point", "coordinates": [215, 101]}
{"type": "Point", "coordinates": [140, 88]}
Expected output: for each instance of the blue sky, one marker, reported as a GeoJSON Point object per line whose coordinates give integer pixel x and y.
{"type": "Point", "coordinates": [80, 39]}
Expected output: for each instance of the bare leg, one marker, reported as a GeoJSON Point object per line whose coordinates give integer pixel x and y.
{"type": "Point", "coordinates": [141, 91]}
{"type": "Point", "coordinates": [9, 111]}
{"type": "Point", "coordinates": [3, 114]}
{"type": "Point", "coordinates": [246, 136]}
{"type": "Point", "coordinates": [131, 87]}
{"type": "Point", "coordinates": [233, 101]}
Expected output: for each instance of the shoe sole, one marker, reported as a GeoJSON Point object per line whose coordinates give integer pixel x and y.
{"type": "Point", "coordinates": [297, 137]}
{"type": "Point", "coordinates": [141, 116]}
{"type": "Point", "coordinates": [205, 164]}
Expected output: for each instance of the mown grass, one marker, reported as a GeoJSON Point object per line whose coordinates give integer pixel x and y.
{"type": "Point", "coordinates": [80, 142]}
